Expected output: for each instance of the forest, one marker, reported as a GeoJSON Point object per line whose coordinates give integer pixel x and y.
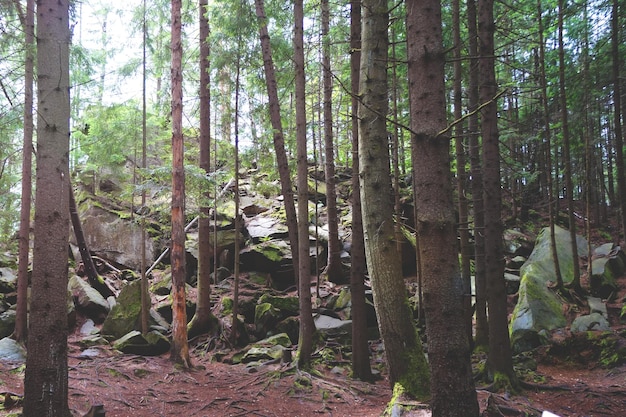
{"type": "Point", "coordinates": [407, 208]}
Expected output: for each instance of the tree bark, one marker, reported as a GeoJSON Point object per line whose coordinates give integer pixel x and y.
{"type": "Point", "coordinates": [451, 384]}
{"type": "Point", "coordinates": [333, 268]}
{"type": "Point", "coordinates": [307, 327]}
{"type": "Point", "coordinates": [360, 352]}
{"type": "Point", "coordinates": [405, 358]}
{"type": "Point", "coordinates": [500, 360]}
{"type": "Point", "coordinates": [21, 313]}
{"type": "Point", "coordinates": [203, 319]}
{"type": "Point", "coordinates": [617, 116]}
{"type": "Point", "coordinates": [180, 348]}
{"type": "Point", "coordinates": [279, 139]}
{"type": "Point", "coordinates": [45, 382]}
{"type": "Point", "coordinates": [567, 161]}
{"type": "Point", "coordinates": [482, 325]}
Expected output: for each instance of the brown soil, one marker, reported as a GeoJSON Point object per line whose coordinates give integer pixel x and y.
{"type": "Point", "coordinates": [129, 385]}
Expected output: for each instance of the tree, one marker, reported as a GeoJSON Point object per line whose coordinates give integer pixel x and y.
{"type": "Point", "coordinates": [203, 318]}
{"type": "Point", "coordinates": [307, 327]}
{"type": "Point", "coordinates": [567, 160]}
{"type": "Point", "coordinates": [45, 382]}
{"type": "Point", "coordinates": [403, 350]}
{"type": "Point", "coordinates": [180, 347]}
{"type": "Point", "coordinates": [500, 360]}
{"type": "Point", "coordinates": [278, 135]}
{"type": "Point", "coordinates": [21, 314]}
{"type": "Point", "coordinates": [333, 268]}
{"type": "Point", "coordinates": [360, 351]}
{"type": "Point", "coordinates": [451, 384]}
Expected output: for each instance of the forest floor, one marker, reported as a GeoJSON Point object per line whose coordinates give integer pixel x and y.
{"type": "Point", "coordinates": [129, 385]}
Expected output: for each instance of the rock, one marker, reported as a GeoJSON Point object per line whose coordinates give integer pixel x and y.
{"type": "Point", "coordinates": [597, 306]}
{"type": "Point", "coordinates": [88, 328]}
{"type": "Point", "coordinates": [265, 227]}
{"type": "Point", "coordinates": [330, 326]}
{"type": "Point", "coordinates": [112, 236]}
{"type": "Point", "coordinates": [125, 317]}
{"type": "Point", "coordinates": [11, 351]}
{"type": "Point", "coordinates": [288, 305]}
{"type": "Point", "coordinates": [87, 299]}
{"type": "Point", "coordinates": [593, 321]}
{"type": "Point", "coordinates": [151, 344]}
{"type": "Point", "coordinates": [517, 243]}
{"type": "Point", "coordinates": [270, 348]}
{"type": "Point", "coordinates": [608, 264]}
{"type": "Point", "coordinates": [265, 317]}
{"type": "Point", "coordinates": [7, 323]}
{"type": "Point", "coordinates": [8, 280]}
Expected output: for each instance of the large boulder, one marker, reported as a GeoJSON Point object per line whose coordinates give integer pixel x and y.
{"type": "Point", "coordinates": [114, 235]}
{"type": "Point", "coordinates": [538, 309]}
{"type": "Point", "coordinates": [608, 264]}
{"type": "Point", "coordinates": [87, 299]}
{"type": "Point", "coordinates": [151, 344]}
{"type": "Point", "coordinates": [11, 351]}
{"type": "Point", "coordinates": [125, 316]}
{"type": "Point", "coordinates": [8, 280]}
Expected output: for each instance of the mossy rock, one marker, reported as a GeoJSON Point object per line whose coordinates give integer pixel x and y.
{"type": "Point", "coordinates": [265, 317]}
{"type": "Point", "coordinates": [288, 305]}
{"type": "Point", "coordinates": [150, 344]}
{"type": "Point", "coordinates": [125, 316]}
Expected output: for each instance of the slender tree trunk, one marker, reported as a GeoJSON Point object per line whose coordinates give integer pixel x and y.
{"type": "Point", "coordinates": [461, 175]}
{"type": "Point", "coordinates": [145, 295]}
{"type": "Point", "coordinates": [500, 358]}
{"type": "Point", "coordinates": [451, 384]}
{"type": "Point", "coordinates": [307, 327]}
{"type": "Point", "coordinates": [333, 268]}
{"type": "Point", "coordinates": [569, 185]}
{"type": "Point", "coordinates": [617, 109]}
{"type": "Point", "coordinates": [548, 147]}
{"type": "Point", "coordinates": [482, 325]}
{"type": "Point", "coordinates": [235, 321]}
{"type": "Point", "coordinates": [203, 319]}
{"type": "Point", "coordinates": [403, 350]}
{"type": "Point", "coordinates": [360, 352]}
{"type": "Point", "coordinates": [180, 347]}
{"type": "Point", "coordinates": [279, 139]}
{"type": "Point", "coordinates": [45, 382]}
{"type": "Point", "coordinates": [21, 314]}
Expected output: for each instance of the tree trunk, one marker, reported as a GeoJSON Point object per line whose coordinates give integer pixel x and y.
{"type": "Point", "coordinates": [180, 347]}
{"type": "Point", "coordinates": [360, 352]}
{"type": "Point", "coordinates": [461, 175]}
{"type": "Point", "coordinates": [482, 325]}
{"type": "Point", "coordinates": [617, 110]}
{"type": "Point", "coordinates": [500, 358]}
{"type": "Point", "coordinates": [567, 161]}
{"type": "Point", "coordinates": [21, 314]}
{"type": "Point", "coordinates": [333, 268]}
{"type": "Point", "coordinates": [451, 384]}
{"type": "Point", "coordinates": [203, 319]}
{"type": "Point", "coordinates": [45, 382]}
{"type": "Point", "coordinates": [307, 327]}
{"type": "Point", "coordinates": [405, 358]}
{"type": "Point", "coordinates": [548, 147]}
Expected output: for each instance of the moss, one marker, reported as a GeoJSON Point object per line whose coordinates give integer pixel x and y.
{"type": "Point", "coordinates": [398, 392]}
{"type": "Point", "coordinates": [503, 383]}
{"type": "Point", "coordinates": [287, 304]}
{"type": "Point", "coordinates": [227, 305]}
{"type": "Point", "coordinates": [416, 381]}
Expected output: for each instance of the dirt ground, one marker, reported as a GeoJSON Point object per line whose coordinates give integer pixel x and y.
{"type": "Point", "coordinates": [129, 385]}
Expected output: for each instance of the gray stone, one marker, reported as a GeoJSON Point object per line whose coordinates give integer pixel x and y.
{"type": "Point", "coordinates": [8, 280]}
{"type": "Point", "coordinates": [331, 326]}
{"type": "Point", "coordinates": [593, 321]}
{"type": "Point", "coordinates": [11, 351]}
{"type": "Point", "coordinates": [125, 316]}
{"type": "Point", "coordinates": [597, 306]}
{"type": "Point", "coordinates": [7, 323]}
{"type": "Point", "coordinates": [87, 299]}
{"type": "Point", "coordinates": [151, 344]}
